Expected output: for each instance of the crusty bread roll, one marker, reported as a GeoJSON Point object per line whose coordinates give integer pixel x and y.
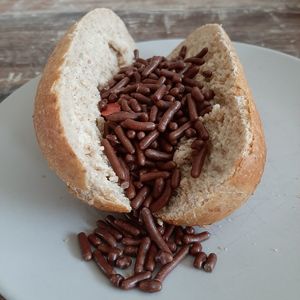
{"type": "Point", "coordinates": [68, 125]}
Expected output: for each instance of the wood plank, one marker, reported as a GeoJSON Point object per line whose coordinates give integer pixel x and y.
{"type": "Point", "coordinates": [27, 39]}
{"type": "Point", "coordinates": [7, 6]}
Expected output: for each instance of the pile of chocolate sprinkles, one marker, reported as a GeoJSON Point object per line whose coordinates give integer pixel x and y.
{"type": "Point", "coordinates": [148, 107]}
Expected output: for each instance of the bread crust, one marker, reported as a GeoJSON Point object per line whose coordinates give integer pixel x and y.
{"type": "Point", "coordinates": [248, 171]}
{"type": "Point", "coordinates": [52, 138]}
{"type": "Point", "coordinates": [47, 123]}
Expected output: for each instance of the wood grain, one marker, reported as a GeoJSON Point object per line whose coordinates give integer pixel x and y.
{"type": "Point", "coordinates": [30, 29]}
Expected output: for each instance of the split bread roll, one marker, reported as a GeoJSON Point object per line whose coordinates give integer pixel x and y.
{"type": "Point", "coordinates": [68, 123]}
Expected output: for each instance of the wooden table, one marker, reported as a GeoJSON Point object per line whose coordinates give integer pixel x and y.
{"type": "Point", "coordinates": [29, 29]}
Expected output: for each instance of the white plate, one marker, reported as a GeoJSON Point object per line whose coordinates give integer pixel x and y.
{"type": "Point", "coordinates": [258, 246]}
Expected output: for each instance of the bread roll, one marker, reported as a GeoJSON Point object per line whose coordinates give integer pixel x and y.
{"type": "Point", "coordinates": [68, 124]}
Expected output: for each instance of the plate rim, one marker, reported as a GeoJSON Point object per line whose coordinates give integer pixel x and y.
{"type": "Point", "coordinates": [235, 43]}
